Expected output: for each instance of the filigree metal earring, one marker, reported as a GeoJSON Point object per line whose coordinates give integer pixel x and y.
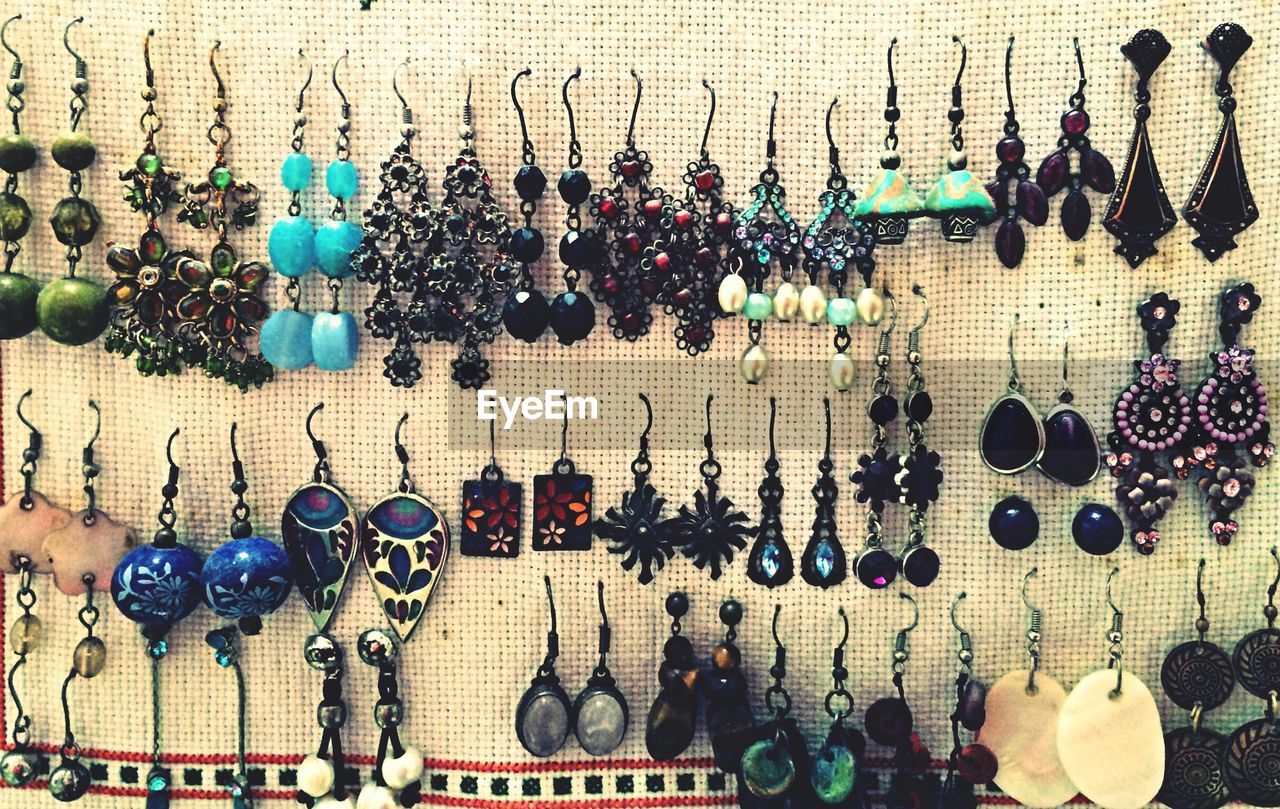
{"type": "Point", "coordinates": [972, 764]}
{"type": "Point", "coordinates": [731, 726]}
{"type": "Point", "coordinates": [1197, 676]}
{"type": "Point", "coordinates": [1028, 199]}
{"type": "Point", "coordinates": [713, 528]}
{"type": "Point", "coordinates": [889, 202]}
{"type": "Point", "coordinates": [1089, 168]}
{"type": "Point", "coordinates": [18, 291]}
{"type": "Point", "coordinates": [1251, 748]}
{"type": "Point", "coordinates": [526, 312]}
{"type": "Point", "coordinates": [876, 477]}
{"type": "Point", "coordinates": [673, 717]}
{"type": "Point", "coordinates": [600, 714]}
{"type": "Point", "coordinates": [573, 315]}
{"type": "Point", "coordinates": [1012, 436]}
{"type": "Point", "coordinates": [777, 766]}
{"type": "Point", "coordinates": [959, 199]}
{"type": "Point", "coordinates": [72, 310]}
{"type": "Point", "coordinates": [544, 714]}
{"type": "Point", "coordinates": [1221, 204]}
{"type": "Point", "coordinates": [1071, 454]}
{"type": "Point", "coordinates": [1151, 416]}
{"type": "Point", "coordinates": [562, 504]}
{"type": "Point", "coordinates": [834, 774]}
{"type": "Point", "coordinates": [491, 507]}
{"type": "Point", "coordinates": [770, 562]}
{"type": "Point", "coordinates": [156, 586]}
{"type": "Point", "coordinates": [889, 722]}
{"type": "Point", "coordinates": [637, 529]}
{"type": "Point", "coordinates": [823, 563]}
{"type": "Point", "coordinates": [1139, 212]}
{"type": "Point", "coordinates": [921, 472]}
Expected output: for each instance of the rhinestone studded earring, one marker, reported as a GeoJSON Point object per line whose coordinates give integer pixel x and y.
{"type": "Point", "coordinates": [18, 292]}
{"type": "Point", "coordinates": [959, 199]}
{"type": "Point", "coordinates": [823, 563]}
{"type": "Point", "coordinates": [573, 315]}
{"type": "Point", "coordinates": [770, 563]}
{"type": "Point", "coordinates": [637, 530]}
{"type": "Point", "coordinates": [1253, 742]}
{"type": "Point", "coordinates": [1028, 200]}
{"type": "Point", "coordinates": [526, 312]}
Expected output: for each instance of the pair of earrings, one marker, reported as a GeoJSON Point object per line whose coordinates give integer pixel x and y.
{"type": "Point", "coordinates": [70, 310]}
{"type": "Point", "coordinates": [1014, 525]}
{"type": "Point", "coordinates": [911, 479]}
{"type": "Point", "coordinates": [598, 717]}
{"type": "Point", "coordinates": [293, 339]}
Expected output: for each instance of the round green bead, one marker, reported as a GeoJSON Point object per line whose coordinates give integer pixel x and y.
{"type": "Point", "coordinates": [148, 163]}
{"type": "Point", "coordinates": [15, 217]}
{"type": "Point", "coordinates": [75, 221]}
{"type": "Point", "coordinates": [74, 151]}
{"type": "Point", "coordinates": [17, 153]}
{"type": "Point", "coordinates": [758, 306]}
{"type": "Point", "coordinates": [767, 769]}
{"type": "Point", "coordinates": [841, 311]}
{"type": "Point", "coordinates": [220, 177]}
{"type": "Point", "coordinates": [17, 304]}
{"type": "Point", "coordinates": [72, 311]}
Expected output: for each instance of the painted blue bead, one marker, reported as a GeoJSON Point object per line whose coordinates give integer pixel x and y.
{"type": "Point", "coordinates": [295, 171]}
{"type": "Point", "coordinates": [246, 578]}
{"type": "Point", "coordinates": [285, 340]}
{"type": "Point", "coordinates": [156, 586]}
{"type": "Point", "coordinates": [341, 179]}
{"type": "Point", "coordinates": [291, 246]}
{"type": "Point", "coordinates": [335, 338]}
{"type": "Point", "coordinates": [335, 242]}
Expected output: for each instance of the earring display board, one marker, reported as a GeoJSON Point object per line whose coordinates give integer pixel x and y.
{"type": "Point", "coordinates": [485, 630]}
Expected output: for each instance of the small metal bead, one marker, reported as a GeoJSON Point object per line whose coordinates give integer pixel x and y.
{"type": "Point", "coordinates": [890, 159]}
{"type": "Point", "coordinates": [1033, 636]}
{"type": "Point", "coordinates": [882, 360]}
{"type": "Point", "coordinates": [840, 673]}
{"type": "Point", "coordinates": [344, 127]}
{"type": "Point", "coordinates": [955, 115]}
{"type": "Point", "coordinates": [1269, 612]}
{"type": "Point", "coordinates": [219, 105]}
{"type": "Point", "coordinates": [376, 647]}
{"type": "Point", "coordinates": [466, 132]}
{"type": "Point", "coordinates": [89, 470]}
{"type": "Point", "coordinates": [408, 132]}
{"type": "Point", "coordinates": [149, 94]}
{"type": "Point", "coordinates": [30, 455]}
{"type": "Point", "coordinates": [80, 86]}
{"type": "Point", "coordinates": [16, 86]}
{"type": "Point", "coordinates": [914, 357]}
{"type": "Point", "coordinates": [331, 716]}
{"type": "Point", "coordinates": [239, 486]}
{"type": "Point", "coordinates": [777, 672]}
{"type": "Point", "coordinates": [957, 160]}
{"type": "Point", "coordinates": [1114, 637]}
{"type": "Point", "coordinates": [1202, 625]}
{"type": "Point", "coordinates": [322, 653]}
{"type": "Point", "coordinates": [388, 714]}
{"type": "Point", "coordinates": [301, 120]}
{"type": "Point", "coordinates": [965, 656]}
{"type": "Point", "coordinates": [900, 656]}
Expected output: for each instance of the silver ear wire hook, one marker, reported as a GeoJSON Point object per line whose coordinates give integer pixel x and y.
{"type": "Point", "coordinates": [901, 653]}
{"type": "Point", "coordinates": [4, 40]}
{"type": "Point", "coordinates": [406, 114]}
{"type": "Point", "coordinates": [1115, 637]}
{"type": "Point", "coordinates": [965, 654]}
{"type": "Point", "coordinates": [1015, 382]}
{"type": "Point", "coordinates": [711, 116]}
{"type": "Point", "coordinates": [1033, 631]}
{"type": "Point", "coordinates": [311, 70]}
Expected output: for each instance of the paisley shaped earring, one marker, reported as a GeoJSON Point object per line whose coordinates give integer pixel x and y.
{"type": "Point", "coordinates": [777, 766]}
{"type": "Point", "coordinates": [713, 528]}
{"type": "Point", "coordinates": [888, 202]}
{"type": "Point", "coordinates": [72, 310]}
{"type": "Point", "coordinates": [1197, 676]}
{"type": "Point", "coordinates": [526, 312]}
{"type": "Point", "coordinates": [972, 764]}
{"type": "Point", "coordinates": [491, 508]}
{"type": "Point", "coordinates": [1071, 454]}
{"type": "Point", "coordinates": [562, 504]}
{"type": "Point", "coordinates": [600, 712]}
{"type": "Point", "coordinates": [544, 714]}
{"type": "Point", "coordinates": [769, 562]}
{"type": "Point", "coordinates": [836, 770]}
{"type": "Point", "coordinates": [877, 474]}
{"type": "Point", "coordinates": [673, 717]}
{"type": "Point", "coordinates": [1028, 200]}
{"type": "Point", "coordinates": [823, 562]}
{"type": "Point", "coordinates": [921, 472]}
{"type": "Point", "coordinates": [1251, 747]}
{"type": "Point", "coordinates": [1012, 436]}
{"type": "Point", "coordinates": [18, 292]}
{"type": "Point", "coordinates": [959, 199]}
{"type": "Point", "coordinates": [889, 722]}
{"type": "Point", "coordinates": [573, 315]}
{"type": "Point", "coordinates": [731, 726]}
{"type": "Point", "coordinates": [637, 530]}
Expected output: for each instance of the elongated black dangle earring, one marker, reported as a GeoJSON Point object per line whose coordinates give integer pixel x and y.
{"type": "Point", "coordinates": [1071, 454]}
{"type": "Point", "coordinates": [770, 561]}
{"type": "Point", "coordinates": [18, 292]}
{"type": "Point", "coordinates": [573, 315]}
{"type": "Point", "coordinates": [1089, 168]}
{"type": "Point", "coordinates": [731, 726]}
{"type": "Point", "coordinates": [562, 504]}
{"type": "Point", "coordinates": [491, 508]}
{"type": "Point", "coordinates": [526, 312]}
{"type": "Point", "coordinates": [921, 467]}
{"type": "Point", "coordinates": [1197, 676]}
{"type": "Point", "coordinates": [637, 530]}
{"type": "Point", "coordinates": [876, 477]}
{"type": "Point", "coordinates": [823, 562]}
{"type": "Point", "coordinates": [959, 199]}
{"type": "Point", "coordinates": [1139, 212]}
{"type": "Point", "coordinates": [1028, 199]}
{"type": "Point", "coordinates": [766, 235]}
{"type": "Point", "coordinates": [1231, 431]}
{"type": "Point", "coordinates": [889, 202]}
{"type": "Point", "coordinates": [889, 722]}
{"type": "Point", "coordinates": [1253, 742]}
{"type": "Point", "coordinates": [673, 717]}
{"type": "Point", "coordinates": [600, 714]}
{"type": "Point", "coordinates": [1151, 416]}
{"type": "Point", "coordinates": [836, 769]}
{"type": "Point", "coordinates": [777, 766]}
{"type": "Point", "coordinates": [1221, 204]}
{"type": "Point", "coordinates": [973, 764]}
{"type": "Point", "coordinates": [1012, 435]}
{"type": "Point", "coordinates": [713, 528]}
{"type": "Point", "coordinates": [544, 714]}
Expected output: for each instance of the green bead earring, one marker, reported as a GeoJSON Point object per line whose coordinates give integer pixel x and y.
{"type": "Point", "coordinates": [18, 292]}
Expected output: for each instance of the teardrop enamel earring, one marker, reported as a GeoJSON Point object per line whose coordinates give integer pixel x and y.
{"type": "Point", "coordinates": [777, 766]}
{"type": "Point", "coordinates": [71, 310]}
{"type": "Point", "coordinates": [573, 315]}
{"type": "Point", "coordinates": [600, 714]}
{"type": "Point", "coordinates": [770, 562]}
{"type": "Point", "coordinates": [823, 562]}
{"type": "Point", "coordinates": [836, 769]}
{"type": "Point", "coordinates": [18, 292]}
{"type": "Point", "coordinates": [1012, 436]}
{"type": "Point", "coordinates": [713, 528]}
{"type": "Point", "coordinates": [673, 717]}
{"type": "Point", "coordinates": [876, 477]}
{"type": "Point", "coordinates": [921, 472]}
{"type": "Point", "coordinates": [491, 510]}
{"type": "Point", "coordinates": [526, 312]}
{"type": "Point", "coordinates": [637, 530]}
{"type": "Point", "coordinates": [1028, 200]}
{"type": "Point", "coordinates": [1253, 742]}
{"type": "Point", "coordinates": [888, 202]}
{"type": "Point", "coordinates": [972, 764]}
{"type": "Point", "coordinates": [544, 714]}
{"type": "Point", "coordinates": [959, 199]}
{"type": "Point", "coordinates": [889, 722]}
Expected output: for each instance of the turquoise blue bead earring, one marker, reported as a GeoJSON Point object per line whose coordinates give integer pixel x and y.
{"type": "Point", "coordinates": [959, 199]}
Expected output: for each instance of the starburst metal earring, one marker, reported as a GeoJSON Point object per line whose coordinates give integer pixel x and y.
{"type": "Point", "coordinates": [713, 528]}
{"type": "Point", "coordinates": [573, 315]}
{"type": "Point", "coordinates": [526, 312]}
{"type": "Point", "coordinates": [770, 562]}
{"type": "Point", "coordinates": [959, 199]}
{"type": "Point", "coordinates": [1028, 200]}
{"type": "Point", "coordinates": [637, 530]}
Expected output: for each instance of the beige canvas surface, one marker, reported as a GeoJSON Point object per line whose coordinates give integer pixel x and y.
{"type": "Point", "coordinates": [467, 666]}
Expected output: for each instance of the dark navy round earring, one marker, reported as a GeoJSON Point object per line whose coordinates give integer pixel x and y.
{"type": "Point", "coordinates": [1013, 523]}
{"type": "Point", "coordinates": [1012, 435]}
{"type": "Point", "coordinates": [573, 315]}
{"type": "Point", "coordinates": [526, 312]}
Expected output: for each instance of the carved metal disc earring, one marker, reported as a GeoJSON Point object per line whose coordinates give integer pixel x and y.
{"type": "Point", "coordinates": [713, 528]}
{"type": "Point", "coordinates": [637, 530]}
{"type": "Point", "coordinates": [600, 712]}
{"type": "Point", "coordinates": [1028, 199]}
{"type": "Point", "coordinates": [1072, 454]}
{"type": "Point", "coordinates": [526, 312]}
{"type": "Point", "coordinates": [1139, 212]}
{"type": "Point", "coordinates": [770, 560]}
{"type": "Point", "coordinates": [959, 199]}
{"type": "Point", "coordinates": [888, 202]}
{"type": "Point", "coordinates": [1251, 748]}
{"type": "Point", "coordinates": [1012, 436]}
{"type": "Point", "coordinates": [573, 315]}
{"type": "Point", "coordinates": [562, 502]}
{"type": "Point", "coordinates": [491, 507]}
{"type": "Point", "coordinates": [18, 291]}
{"type": "Point", "coordinates": [823, 562]}
{"type": "Point", "coordinates": [1221, 204]}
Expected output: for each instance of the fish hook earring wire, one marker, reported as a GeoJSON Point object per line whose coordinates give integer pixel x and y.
{"type": "Point", "coordinates": [1012, 435]}
{"type": "Point", "coordinates": [1027, 201]}
{"type": "Point", "coordinates": [18, 291]}
{"type": "Point", "coordinates": [921, 473]}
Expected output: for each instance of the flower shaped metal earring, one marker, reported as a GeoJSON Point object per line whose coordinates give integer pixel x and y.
{"type": "Point", "coordinates": [526, 312]}
{"type": "Point", "coordinates": [876, 477]}
{"type": "Point", "coordinates": [637, 530]}
{"type": "Point", "coordinates": [921, 472]}
{"type": "Point", "coordinates": [713, 528]}
{"type": "Point", "coordinates": [573, 315]}
{"type": "Point", "coordinates": [1028, 200]}
{"type": "Point", "coordinates": [959, 199]}
{"type": "Point", "coordinates": [18, 291]}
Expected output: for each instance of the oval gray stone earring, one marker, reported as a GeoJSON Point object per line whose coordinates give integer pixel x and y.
{"type": "Point", "coordinates": [1012, 437]}
{"type": "Point", "coordinates": [600, 712]}
{"type": "Point", "coordinates": [544, 712]}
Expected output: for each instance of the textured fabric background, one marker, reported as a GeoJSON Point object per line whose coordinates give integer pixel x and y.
{"type": "Point", "coordinates": [468, 665]}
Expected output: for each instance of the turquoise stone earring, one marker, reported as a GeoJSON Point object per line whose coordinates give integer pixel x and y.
{"type": "Point", "coordinates": [18, 292]}
{"type": "Point", "coordinates": [958, 198]}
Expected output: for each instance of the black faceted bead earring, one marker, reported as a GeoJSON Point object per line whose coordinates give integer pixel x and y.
{"type": "Point", "coordinates": [770, 562]}
{"type": "Point", "coordinates": [713, 528]}
{"type": "Point", "coordinates": [1255, 741]}
{"type": "Point", "coordinates": [1028, 200]}
{"type": "Point", "coordinates": [526, 312]}
{"type": "Point", "coordinates": [823, 562]}
{"type": "Point", "coordinates": [637, 530]}
{"type": "Point", "coordinates": [573, 315]}
{"type": "Point", "coordinates": [674, 713]}
{"type": "Point", "coordinates": [876, 477]}
{"type": "Point", "coordinates": [1221, 204]}
{"type": "Point", "coordinates": [921, 472]}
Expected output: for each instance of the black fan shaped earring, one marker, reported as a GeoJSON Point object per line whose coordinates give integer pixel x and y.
{"type": "Point", "coordinates": [526, 312]}
{"type": "Point", "coordinates": [823, 562]}
{"type": "Point", "coordinates": [770, 562]}
{"type": "Point", "coordinates": [573, 315]}
{"type": "Point", "coordinates": [637, 530]}
{"type": "Point", "coordinates": [1012, 435]}
{"type": "Point", "coordinates": [1028, 199]}
{"type": "Point", "coordinates": [1252, 746]}
{"type": "Point", "coordinates": [1221, 204]}
{"type": "Point", "coordinates": [710, 531]}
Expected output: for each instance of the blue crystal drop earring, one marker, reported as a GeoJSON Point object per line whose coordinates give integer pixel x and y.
{"type": "Point", "coordinates": [770, 562]}
{"type": "Point", "coordinates": [823, 562]}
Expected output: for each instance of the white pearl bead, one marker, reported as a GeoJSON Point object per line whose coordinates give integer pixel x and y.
{"type": "Point", "coordinates": [373, 796]}
{"type": "Point", "coordinates": [315, 776]}
{"type": "Point", "coordinates": [786, 301]}
{"type": "Point", "coordinates": [870, 306]}
{"type": "Point", "coordinates": [754, 363]}
{"type": "Point", "coordinates": [732, 293]}
{"type": "Point", "coordinates": [843, 371]}
{"type": "Point", "coordinates": [813, 304]}
{"type": "Point", "coordinates": [331, 802]}
{"type": "Point", "coordinates": [401, 771]}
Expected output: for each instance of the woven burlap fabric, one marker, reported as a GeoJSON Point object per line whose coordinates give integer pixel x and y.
{"type": "Point", "coordinates": [468, 664]}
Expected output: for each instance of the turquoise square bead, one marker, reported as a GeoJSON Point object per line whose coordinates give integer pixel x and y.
{"type": "Point", "coordinates": [335, 241]}
{"type": "Point", "coordinates": [335, 338]}
{"type": "Point", "coordinates": [291, 245]}
{"type": "Point", "coordinates": [758, 307]}
{"type": "Point", "coordinates": [285, 340]}
{"type": "Point", "coordinates": [295, 171]}
{"type": "Point", "coordinates": [341, 179]}
{"type": "Point", "coordinates": [841, 311]}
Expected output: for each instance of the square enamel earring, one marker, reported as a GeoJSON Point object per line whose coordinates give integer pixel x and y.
{"type": "Point", "coordinates": [491, 507]}
{"type": "Point", "coordinates": [562, 504]}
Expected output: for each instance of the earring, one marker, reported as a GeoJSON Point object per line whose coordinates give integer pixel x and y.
{"type": "Point", "coordinates": [888, 202]}
{"type": "Point", "coordinates": [600, 714]}
{"type": "Point", "coordinates": [1013, 523]}
{"type": "Point", "coordinates": [673, 717]}
{"type": "Point", "coordinates": [921, 474]}
{"type": "Point", "coordinates": [156, 586]}
{"type": "Point", "coordinates": [1221, 204]}
{"type": "Point", "coordinates": [71, 310]}
{"type": "Point", "coordinates": [562, 504]}
{"type": "Point", "coordinates": [1197, 677]}
{"type": "Point", "coordinates": [1029, 200]}
{"type": "Point", "coordinates": [766, 234]}
{"type": "Point", "coordinates": [877, 474]}
{"type": "Point", "coordinates": [1139, 212]}
{"type": "Point", "coordinates": [544, 714]}
{"type": "Point", "coordinates": [731, 726]}
{"type": "Point", "coordinates": [1021, 726]}
{"type": "Point", "coordinates": [1152, 415]}
{"type": "Point", "coordinates": [399, 228]}
{"type": "Point", "coordinates": [1097, 529]}
{"type": "Point", "coordinates": [147, 288]}
{"type": "Point", "coordinates": [713, 528]}
{"type": "Point", "coordinates": [1071, 454]}
{"type": "Point", "coordinates": [974, 763]}
{"type": "Point", "coordinates": [1252, 742]}
{"type": "Point", "coordinates": [958, 198]}
{"type": "Point", "coordinates": [1090, 168]}
{"type": "Point", "coordinates": [836, 770]}
{"type": "Point", "coordinates": [889, 722]}
{"type": "Point", "coordinates": [823, 562]}
{"type": "Point", "coordinates": [18, 292]}
{"type": "Point", "coordinates": [1012, 436]}
{"type": "Point", "coordinates": [637, 530]}
{"type": "Point", "coordinates": [573, 315]}
{"type": "Point", "coordinates": [777, 766]}
{"type": "Point", "coordinates": [1110, 711]}
{"type": "Point", "coordinates": [1231, 413]}
{"type": "Point", "coordinates": [526, 312]}
{"type": "Point", "coordinates": [770, 562]}
{"type": "Point", "coordinates": [491, 507]}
